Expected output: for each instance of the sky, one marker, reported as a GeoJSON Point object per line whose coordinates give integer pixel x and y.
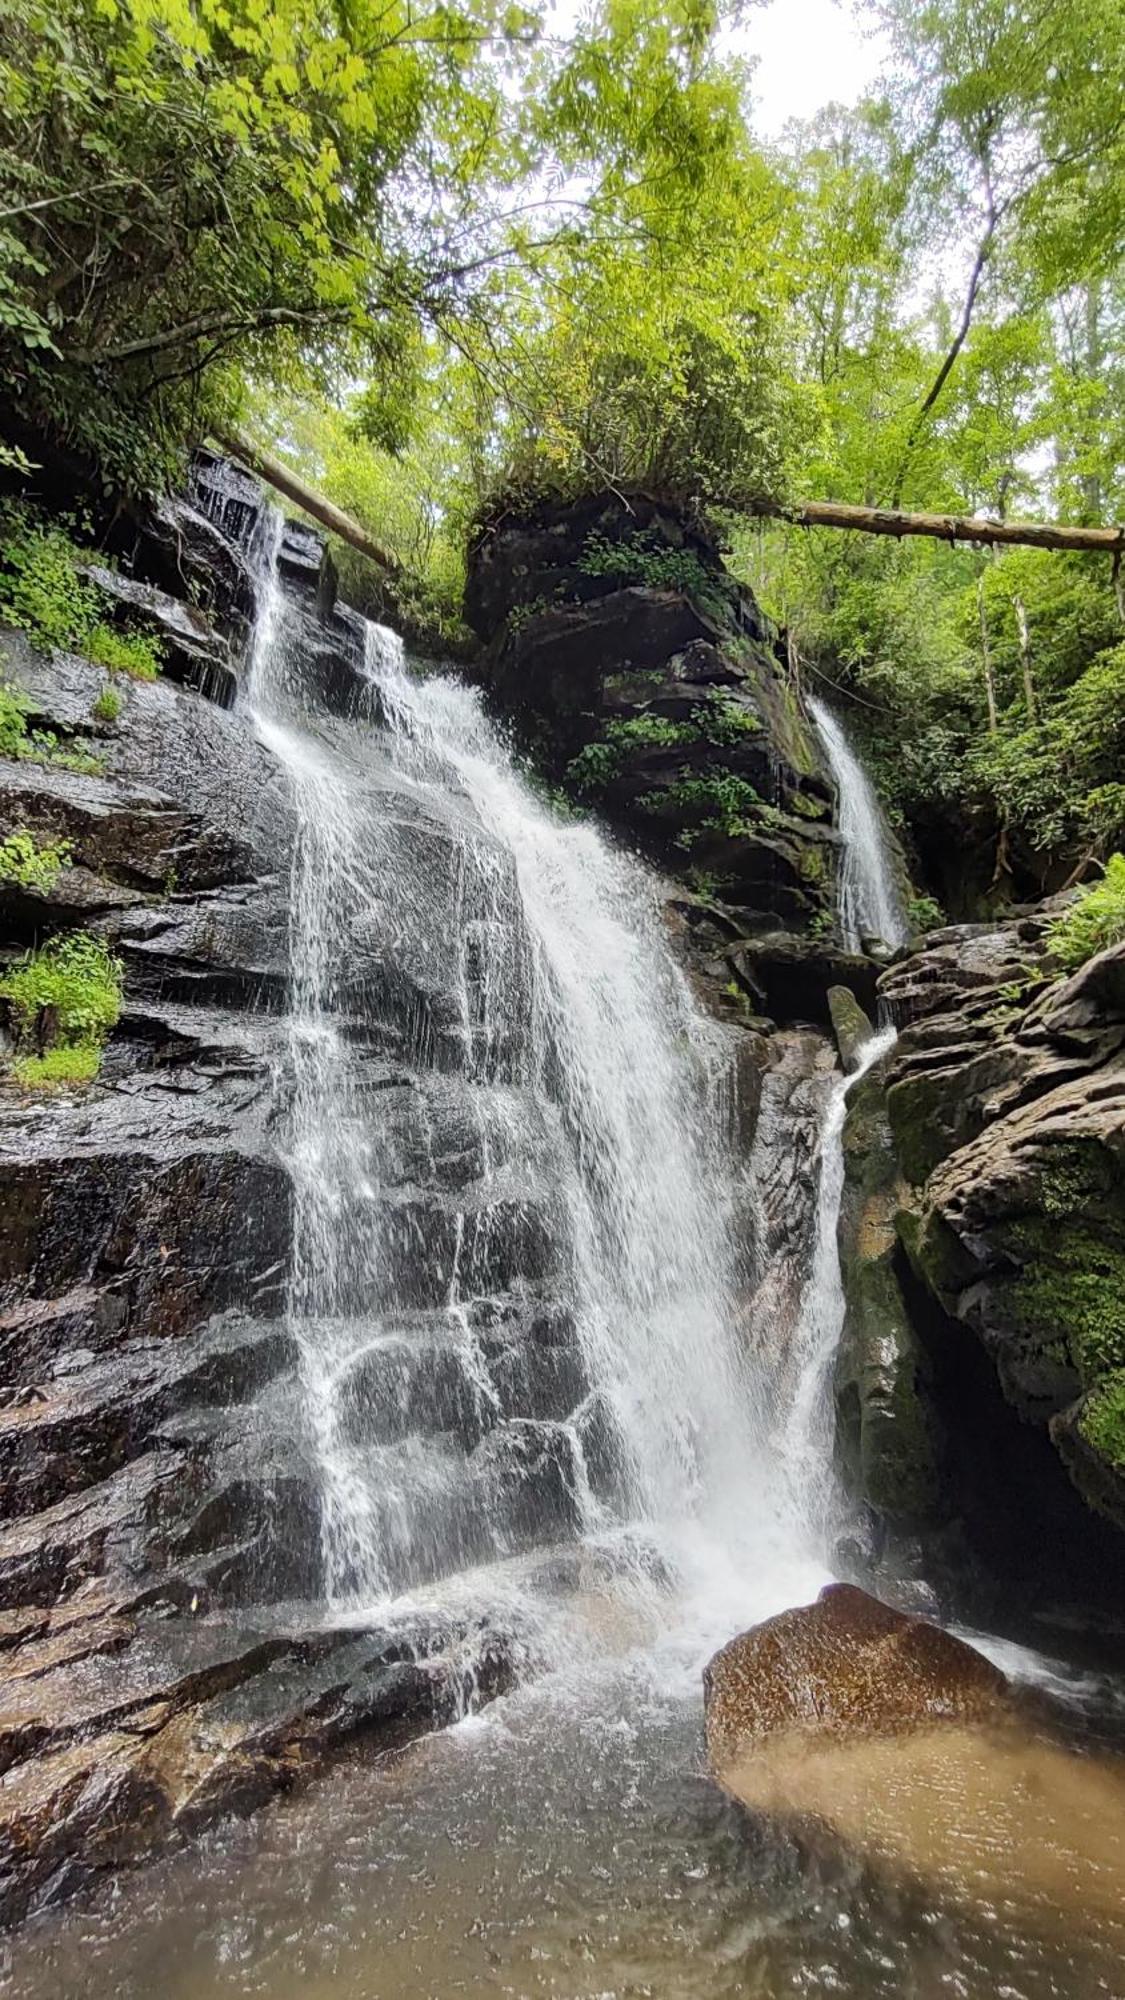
{"type": "Point", "coordinates": [810, 53]}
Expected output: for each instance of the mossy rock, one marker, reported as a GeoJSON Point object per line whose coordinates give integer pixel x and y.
{"type": "Point", "coordinates": [887, 1435]}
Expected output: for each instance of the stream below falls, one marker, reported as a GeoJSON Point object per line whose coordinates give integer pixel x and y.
{"type": "Point", "coordinates": [565, 1363]}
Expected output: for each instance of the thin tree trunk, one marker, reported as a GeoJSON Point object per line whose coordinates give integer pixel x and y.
{"type": "Point", "coordinates": [941, 378]}
{"type": "Point", "coordinates": [1025, 660]}
{"type": "Point", "coordinates": [986, 657]}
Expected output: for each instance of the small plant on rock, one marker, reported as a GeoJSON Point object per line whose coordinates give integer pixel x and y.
{"type": "Point", "coordinates": [30, 863]}
{"type": "Point", "coordinates": [63, 1000]}
{"type": "Point", "coordinates": [108, 705]}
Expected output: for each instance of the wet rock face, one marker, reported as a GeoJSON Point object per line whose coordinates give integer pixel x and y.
{"type": "Point", "coordinates": [1006, 1100]}
{"type": "Point", "coordinates": [647, 683]}
{"type": "Point", "coordinates": [844, 1666]}
{"type": "Point", "coordinates": [159, 1491]}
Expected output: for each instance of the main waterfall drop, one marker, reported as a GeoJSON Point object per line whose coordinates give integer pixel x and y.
{"type": "Point", "coordinates": [514, 1273]}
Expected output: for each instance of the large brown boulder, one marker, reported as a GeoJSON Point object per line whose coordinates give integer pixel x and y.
{"type": "Point", "coordinates": [844, 1666]}
{"type": "Point", "coordinates": [884, 1736]}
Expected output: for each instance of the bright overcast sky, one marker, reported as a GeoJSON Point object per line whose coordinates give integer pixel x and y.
{"type": "Point", "coordinates": [810, 53]}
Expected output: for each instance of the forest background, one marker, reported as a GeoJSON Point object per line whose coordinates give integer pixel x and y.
{"type": "Point", "coordinates": [447, 259]}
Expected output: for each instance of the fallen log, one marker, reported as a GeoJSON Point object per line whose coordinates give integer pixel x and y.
{"type": "Point", "coordinates": [306, 497]}
{"type": "Point", "coordinates": [975, 528]}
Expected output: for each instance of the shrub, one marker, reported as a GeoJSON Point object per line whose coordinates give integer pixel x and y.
{"type": "Point", "coordinates": [646, 558]}
{"type": "Point", "coordinates": [108, 705]}
{"type": "Point", "coordinates": [1094, 921]}
{"type": "Point", "coordinates": [66, 995]}
{"type": "Point", "coordinates": [43, 592]}
{"type": "Point", "coordinates": [32, 863]}
{"type": "Point", "coordinates": [924, 914]}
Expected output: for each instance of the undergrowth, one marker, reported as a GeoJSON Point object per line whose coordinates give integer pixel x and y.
{"type": "Point", "coordinates": [1092, 923]}
{"type": "Point", "coordinates": [43, 592]}
{"type": "Point", "coordinates": [63, 1000]}
{"type": "Point", "coordinates": [30, 863]}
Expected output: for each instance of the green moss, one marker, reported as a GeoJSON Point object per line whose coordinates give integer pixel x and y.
{"type": "Point", "coordinates": [58, 1069]}
{"type": "Point", "coordinates": [812, 864]}
{"type": "Point", "coordinates": [1102, 1422]}
{"type": "Point", "coordinates": [1072, 1289]}
{"type": "Point", "coordinates": [934, 1252]}
{"type": "Point", "coordinates": [808, 806]}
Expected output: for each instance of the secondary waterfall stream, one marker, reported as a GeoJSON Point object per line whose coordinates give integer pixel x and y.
{"type": "Point", "coordinates": [869, 898]}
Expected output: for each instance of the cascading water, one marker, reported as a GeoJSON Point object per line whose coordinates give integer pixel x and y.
{"type": "Point", "coordinates": [805, 1439]}
{"type": "Point", "coordinates": [869, 902]}
{"type": "Point", "coordinates": [526, 1334]}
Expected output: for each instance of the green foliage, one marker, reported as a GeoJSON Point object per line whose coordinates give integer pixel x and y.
{"type": "Point", "coordinates": [724, 722]}
{"type": "Point", "coordinates": [43, 592]}
{"type": "Point", "coordinates": [923, 913]}
{"type": "Point", "coordinates": [63, 999]}
{"type": "Point", "coordinates": [648, 559]}
{"type": "Point", "coordinates": [31, 863]}
{"type": "Point", "coordinates": [1094, 921]}
{"type": "Point", "coordinates": [108, 705]}
{"type": "Point", "coordinates": [719, 801]}
{"type": "Point", "coordinates": [78, 976]}
{"type": "Point", "coordinates": [659, 731]}
{"type": "Point", "coordinates": [595, 766]}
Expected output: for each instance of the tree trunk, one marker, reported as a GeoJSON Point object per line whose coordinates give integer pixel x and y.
{"type": "Point", "coordinates": [986, 657]}
{"type": "Point", "coordinates": [307, 498]}
{"type": "Point", "coordinates": [1025, 660]}
{"type": "Point", "coordinates": [939, 527]}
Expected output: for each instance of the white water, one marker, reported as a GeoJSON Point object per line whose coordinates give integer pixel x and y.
{"type": "Point", "coordinates": [805, 1444]}
{"type": "Point", "coordinates": [596, 1093]}
{"type": "Point", "coordinates": [869, 901]}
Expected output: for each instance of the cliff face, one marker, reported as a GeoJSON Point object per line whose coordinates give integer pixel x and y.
{"type": "Point", "coordinates": [998, 1143]}
{"type": "Point", "coordinates": [646, 683]}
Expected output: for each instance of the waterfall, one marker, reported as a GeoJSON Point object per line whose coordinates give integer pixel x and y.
{"type": "Point", "coordinates": [869, 901]}
{"type": "Point", "coordinates": [805, 1444]}
{"type": "Point", "coordinates": [513, 1280]}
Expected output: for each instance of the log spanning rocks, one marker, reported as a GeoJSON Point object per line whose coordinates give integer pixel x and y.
{"type": "Point", "coordinates": [885, 1737]}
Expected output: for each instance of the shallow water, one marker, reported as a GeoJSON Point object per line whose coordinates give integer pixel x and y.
{"type": "Point", "coordinates": [567, 1842]}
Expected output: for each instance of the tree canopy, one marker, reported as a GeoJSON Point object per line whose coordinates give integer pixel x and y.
{"type": "Point", "coordinates": [435, 254]}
